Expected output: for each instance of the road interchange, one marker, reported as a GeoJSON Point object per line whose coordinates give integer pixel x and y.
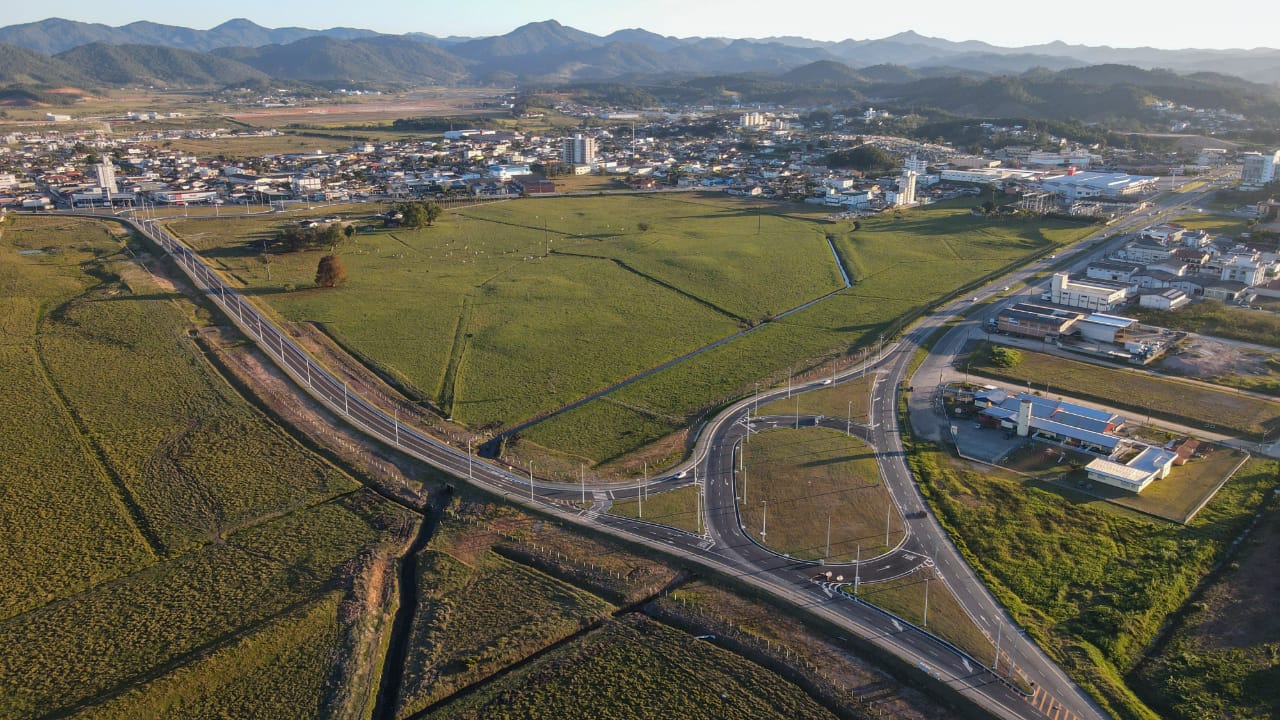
{"type": "Point", "coordinates": [723, 545]}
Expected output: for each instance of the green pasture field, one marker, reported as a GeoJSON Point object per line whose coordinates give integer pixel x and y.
{"type": "Point", "coordinates": [1213, 224]}
{"type": "Point", "coordinates": [65, 654]}
{"type": "Point", "coordinates": [66, 526]}
{"type": "Point", "coordinates": [1212, 317]}
{"type": "Point", "coordinates": [677, 508]}
{"type": "Point", "coordinates": [1195, 405]}
{"type": "Point", "coordinates": [638, 669]}
{"type": "Point", "coordinates": [476, 316]}
{"type": "Point", "coordinates": [474, 620]}
{"type": "Point", "coordinates": [806, 476]}
{"type": "Point", "coordinates": [1093, 584]}
{"type": "Point", "coordinates": [276, 672]}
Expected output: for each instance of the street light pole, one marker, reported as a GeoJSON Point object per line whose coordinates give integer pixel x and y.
{"type": "Point", "coordinates": [848, 421]}
{"type": "Point", "coordinates": [828, 553]}
{"type": "Point", "coordinates": [857, 570]}
{"type": "Point", "coordinates": [764, 522]}
{"type": "Point", "coordinates": [797, 411]}
{"type": "Point", "coordinates": [925, 622]}
{"type": "Point", "coordinates": [888, 515]}
{"type": "Point", "coordinates": [756, 397]}
{"type": "Point", "coordinates": [582, 477]}
{"type": "Point", "coordinates": [788, 383]}
{"type": "Point", "coordinates": [470, 475]}
{"type": "Point", "coordinates": [531, 498]}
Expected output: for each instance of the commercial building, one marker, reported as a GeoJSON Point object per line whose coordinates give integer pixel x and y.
{"type": "Point", "coordinates": [1062, 422]}
{"type": "Point", "coordinates": [1170, 299]}
{"type": "Point", "coordinates": [1099, 295]}
{"type": "Point", "coordinates": [1082, 185]}
{"type": "Point", "coordinates": [106, 176]}
{"type": "Point", "coordinates": [1133, 468]}
{"type": "Point", "coordinates": [1258, 168]}
{"type": "Point", "coordinates": [578, 150]}
{"type": "Point", "coordinates": [1103, 328]}
{"type": "Point", "coordinates": [1036, 321]}
{"type": "Point", "coordinates": [906, 194]}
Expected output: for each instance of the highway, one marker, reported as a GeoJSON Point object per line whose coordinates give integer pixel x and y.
{"type": "Point", "coordinates": [723, 545]}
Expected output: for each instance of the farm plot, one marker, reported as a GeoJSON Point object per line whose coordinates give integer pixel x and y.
{"type": "Point", "coordinates": [66, 528]}
{"type": "Point", "coordinates": [637, 668]}
{"type": "Point", "coordinates": [69, 654]}
{"type": "Point", "coordinates": [472, 621]}
{"type": "Point", "coordinates": [275, 673]}
{"type": "Point", "coordinates": [197, 458]}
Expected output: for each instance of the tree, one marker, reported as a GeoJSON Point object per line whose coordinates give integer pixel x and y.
{"type": "Point", "coordinates": [330, 272]}
{"type": "Point", "coordinates": [349, 232]}
{"type": "Point", "coordinates": [432, 211]}
{"type": "Point", "coordinates": [1005, 357]}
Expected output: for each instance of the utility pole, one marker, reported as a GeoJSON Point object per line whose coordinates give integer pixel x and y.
{"type": "Point", "coordinates": [697, 487]}
{"type": "Point", "coordinates": [582, 477]}
{"type": "Point", "coordinates": [925, 622]}
{"type": "Point", "coordinates": [396, 420]}
{"type": "Point", "coordinates": [857, 570]}
{"type": "Point", "coordinates": [742, 471]}
{"type": "Point", "coordinates": [848, 421]}
{"type": "Point", "coordinates": [470, 475]}
{"type": "Point", "coordinates": [999, 630]}
{"type": "Point", "coordinates": [640, 501]}
{"type": "Point", "coordinates": [797, 411]}
{"type": "Point", "coordinates": [346, 405]}
{"type": "Point", "coordinates": [788, 383]}
{"type": "Point", "coordinates": [757, 399]}
{"type": "Point", "coordinates": [644, 486]}
{"type": "Point", "coordinates": [764, 522]}
{"type": "Point", "coordinates": [888, 514]}
{"type": "Point", "coordinates": [531, 498]}
{"type": "Point", "coordinates": [827, 555]}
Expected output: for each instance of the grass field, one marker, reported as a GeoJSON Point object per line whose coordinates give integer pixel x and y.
{"type": "Point", "coordinates": [636, 668]}
{"type": "Point", "coordinates": [807, 476]}
{"type": "Point", "coordinates": [850, 399]}
{"type": "Point", "coordinates": [1194, 405]}
{"type": "Point", "coordinates": [507, 310]}
{"type": "Point", "coordinates": [677, 508]}
{"type": "Point", "coordinates": [123, 631]}
{"type": "Point", "coordinates": [1178, 495]}
{"type": "Point", "coordinates": [475, 620]}
{"type": "Point", "coordinates": [1221, 660]}
{"type": "Point", "coordinates": [57, 542]}
{"type": "Point", "coordinates": [1211, 317]}
{"type": "Point", "coordinates": [904, 597]}
{"type": "Point", "coordinates": [155, 520]}
{"type": "Point", "coordinates": [1091, 583]}
{"type": "Point", "coordinates": [275, 673]}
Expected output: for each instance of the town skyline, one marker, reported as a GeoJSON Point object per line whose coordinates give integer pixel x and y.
{"type": "Point", "coordinates": [1091, 23]}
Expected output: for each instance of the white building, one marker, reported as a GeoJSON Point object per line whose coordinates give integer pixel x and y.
{"type": "Point", "coordinates": [906, 194]}
{"type": "Point", "coordinates": [915, 165]}
{"type": "Point", "coordinates": [1259, 168]}
{"type": "Point", "coordinates": [1098, 295]}
{"type": "Point", "coordinates": [1135, 473]}
{"type": "Point", "coordinates": [578, 150]}
{"type": "Point", "coordinates": [1083, 185]}
{"type": "Point", "coordinates": [751, 120]}
{"type": "Point", "coordinates": [1170, 299]}
{"type": "Point", "coordinates": [8, 181]}
{"type": "Point", "coordinates": [1242, 268]}
{"type": "Point", "coordinates": [106, 174]}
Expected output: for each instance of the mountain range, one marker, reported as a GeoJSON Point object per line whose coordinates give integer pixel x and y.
{"type": "Point", "coordinates": [550, 51]}
{"type": "Point", "coordinates": [635, 66]}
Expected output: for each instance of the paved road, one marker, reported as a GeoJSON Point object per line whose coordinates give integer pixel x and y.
{"type": "Point", "coordinates": [722, 547]}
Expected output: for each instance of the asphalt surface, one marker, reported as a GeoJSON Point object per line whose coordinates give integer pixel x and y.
{"type": "Point", "coordinates": [723, 545]}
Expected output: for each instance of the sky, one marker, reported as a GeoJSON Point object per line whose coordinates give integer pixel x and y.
{"type": "Point", "coordinates": [1122, 23]}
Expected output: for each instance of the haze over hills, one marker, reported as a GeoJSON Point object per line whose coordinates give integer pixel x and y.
{"type": "Point", "coordinates": [971, 78]}
{"type": "Point", "coordinates": [551, 50]}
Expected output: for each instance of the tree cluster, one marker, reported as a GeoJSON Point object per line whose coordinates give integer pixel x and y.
{"type": "Point", "coordinates": [330, 272]}
{"type": "Point", "coordinates": [864, 158]}
{"type": "Point", "coordinates": [417, 214]}
{"type": "Point", "coordinates": [296, 238]}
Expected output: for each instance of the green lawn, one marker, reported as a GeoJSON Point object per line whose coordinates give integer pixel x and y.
{"type": "Point", "coordinates": [677, 508]}
{"type": "Point", "coordinates": [807, 476]}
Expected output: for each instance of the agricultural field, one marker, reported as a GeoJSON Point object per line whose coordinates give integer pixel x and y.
{"type": "Point", "coordinates": [808, 476]}
{"type": "Point", "coordinates": [58, 542]}
{"type": "Point", "coordinates": [1138, 392]}
{"type": "Point", "coordinates": [474, 620]}
{"type": "Point", "coordinates": [636, 668]}
{"type": "Point", "coordinates": [506, 311]}
{"type": "Point", "coordinates": [154, 621]}
{"type": "Point", "coordinates": [1092, 583]}
{"type": "Point", "coordinates": [276, 672]}
{"type": "Point", "coordinates": [161, 533]}
{"type": "Point", "coordinates": [1221, 657]}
